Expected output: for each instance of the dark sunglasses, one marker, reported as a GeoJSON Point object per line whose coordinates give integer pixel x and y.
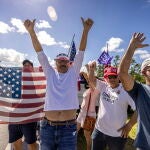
{"type": "Point", "coordinates": [112, 77]}
{"type": "Point", "coordinates": [62, 61]}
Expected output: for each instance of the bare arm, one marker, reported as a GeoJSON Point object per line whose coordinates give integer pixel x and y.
{"type": "Point", "coordinates": [128, 126]}
{"type": "Point", "coordinates": [29, 25]}
{"type": "Point", "coordinates": [135, 42]}
{"type": "Point", "coordinates": [92, 79]}
{"type": "Point", "coordinates": [87, 24]}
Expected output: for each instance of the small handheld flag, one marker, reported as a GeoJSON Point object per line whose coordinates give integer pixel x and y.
{"type": "Point", "coordinates": [72, 52]}
{"type": "Point", "coordinates": [104, 58]}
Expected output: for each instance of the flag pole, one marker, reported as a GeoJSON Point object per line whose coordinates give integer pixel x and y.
{"type": "Point", "coordinates": [71, 44]}
{"type": "Point", "coordinates": [107, 48]}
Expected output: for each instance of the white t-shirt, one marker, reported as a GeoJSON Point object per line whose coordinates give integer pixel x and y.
{"type": "Point", "coordinates": [113, 106]}
{"type": "Point", "coordinates": [61, 89]}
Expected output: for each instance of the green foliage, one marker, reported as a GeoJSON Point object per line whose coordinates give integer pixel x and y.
{"type": "Point", "coordinates": [134, 70]}
{"type": "Point", "coordinates": [99, 70]}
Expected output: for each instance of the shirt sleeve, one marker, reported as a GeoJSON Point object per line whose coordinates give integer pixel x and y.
{"type": "Point", "coordinates": [78, 61]}
{"type": "Point", "coordinates": [134, 91]}
{"type": "Point", "coordinates": [131, 103]}
{"type": "Point", "coordinates": [44, 62]}
{"type": "Point", "coordinates": [99, 85]}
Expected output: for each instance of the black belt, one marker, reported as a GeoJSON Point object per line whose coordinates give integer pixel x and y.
{"type": "Point", "coordinates": [60, 123]}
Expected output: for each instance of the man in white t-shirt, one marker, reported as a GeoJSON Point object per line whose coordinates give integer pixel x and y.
{"type": "Point", "coordinates": [58, 128]}
{"type": "Point", "coordinates": [111, 128]}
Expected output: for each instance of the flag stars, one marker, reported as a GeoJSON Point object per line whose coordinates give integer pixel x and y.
{"type": "Point", "coordinates": [13, 79]}
{"type": "Point", "coordinates": [9, 70]}
{"type": "Point", "coordinates": [8, 88]}
{"type": "Point", "coordinates": [17, 89]}
{"type": "Point", "coordinates": [8, 94]}
{"type": "Point", "coordinates": [9, 76]}
{"type": "Point", "coordinates": [16, 95]}
{"type": "Point", "coordinates": [17, 82]}
{"type": "Point", "coordinates": [4, 91]}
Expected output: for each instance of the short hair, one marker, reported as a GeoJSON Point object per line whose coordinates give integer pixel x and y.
{"type": "Point", "coordinates": [145, 64]}
{"type": "Point", "coordinates": [27, 61]}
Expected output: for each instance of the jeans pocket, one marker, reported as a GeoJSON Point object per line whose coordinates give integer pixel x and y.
{"type": "Point", "coordinates": [43, 123]}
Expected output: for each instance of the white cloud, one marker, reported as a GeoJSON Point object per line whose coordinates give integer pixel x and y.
{"type": "Point", "coordinates": [113, 45]}
{"type": "Point", "coordinates": [64, 45]}
{"type": "Point", "coordinates": [143, 54]}
{"type": "Point", "coordinates": [5, 28]}
{"type": "Point", "coordinates": [48, 40]}
{"type": "Point", "coordinates": [19, 25]}
{"type": "Point", "coordinates": [11, 57]}
{"type": "Point", "coordinates": [45, 38]}
{"type": "Point", "coordinates": [52, 13]}
{"type": "Point", "coordinates": [148, 1]}
{"type": "Point", "coordinates": [43, 24]}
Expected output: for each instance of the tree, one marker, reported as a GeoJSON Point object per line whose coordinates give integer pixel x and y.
{"type": "Point", "coordinates": [135, 69]}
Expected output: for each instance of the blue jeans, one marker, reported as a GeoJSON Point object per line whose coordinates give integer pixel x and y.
{"type": "Point", "coordinates": [57, 137]}
{"type": "Point", "coordinates": [100, 141]}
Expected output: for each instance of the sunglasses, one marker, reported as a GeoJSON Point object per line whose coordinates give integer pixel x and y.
{"type": "Point", "coordinates": [62, 61]}
{"type": "Point", "coordinates": [112, 77]}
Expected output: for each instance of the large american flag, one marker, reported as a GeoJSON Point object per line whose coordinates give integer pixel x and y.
{"type": "Point", "coordinates": [22, 95]}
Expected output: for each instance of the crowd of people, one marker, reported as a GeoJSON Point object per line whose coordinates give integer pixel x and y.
{"type": "Point", "coordinates": [60, 126]}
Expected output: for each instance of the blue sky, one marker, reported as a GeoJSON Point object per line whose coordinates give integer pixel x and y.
{"type": "Point", "coordinates": [58, 20]}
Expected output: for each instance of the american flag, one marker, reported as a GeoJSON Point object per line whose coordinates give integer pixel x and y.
{"type": "Point", "coordinates": [22, 95]}
{"type": "Point", "coordinates": [72, 52]}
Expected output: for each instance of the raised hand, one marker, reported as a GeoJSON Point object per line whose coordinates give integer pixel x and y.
{"type": "Point", "coordinates": [29, 25]}
{"type": "Point", "coordinates": [92, 66]}
{"type": "Point", "coordinates": [137, 40]}
{"type": "Point", "coordinates": [87, 24]}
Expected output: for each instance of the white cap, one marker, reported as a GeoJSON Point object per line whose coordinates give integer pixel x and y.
{"type": "Point", "coordinates": [145, 63]}
{"type": "Point", "coordinates": [62, 56]}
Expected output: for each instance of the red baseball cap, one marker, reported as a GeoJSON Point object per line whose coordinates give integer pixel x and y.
{"type": "Point", "coordinates": [110, 70]}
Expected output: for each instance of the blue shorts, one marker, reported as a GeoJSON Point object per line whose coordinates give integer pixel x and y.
{"type": "Point", "coordinates": [17, 131]}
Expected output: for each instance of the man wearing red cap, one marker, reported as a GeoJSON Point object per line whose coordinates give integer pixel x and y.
{"type": "Point", "coordinates": [58, 128]}
{"type": "Point", "coordinates": [138, 91]}
{"type": "Point", "coordinates": [111, 128]}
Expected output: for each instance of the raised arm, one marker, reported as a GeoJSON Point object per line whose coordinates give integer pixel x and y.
{"type": "Point", "coordinates": [92, 78]}
{"type": "Point", "coordinates": [29, 25]}
{"type": "Point", "coordinates": [87, 24]}
{"type": "Point", "coordinates": [135, 42]}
